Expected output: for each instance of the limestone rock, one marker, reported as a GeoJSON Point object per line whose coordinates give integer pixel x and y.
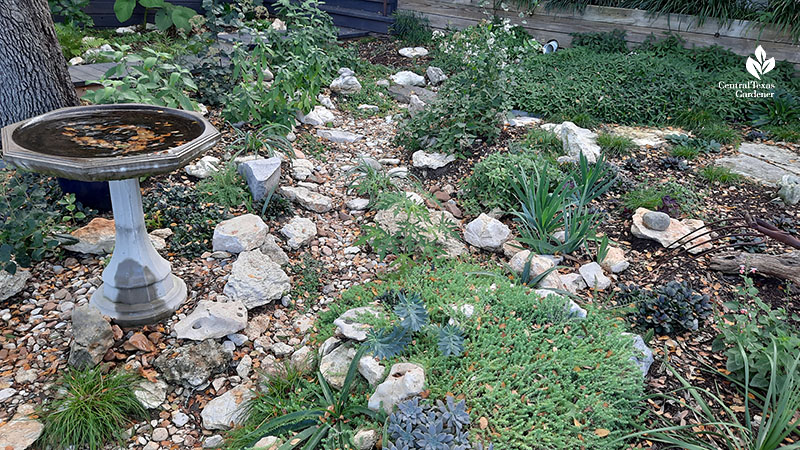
{"type": "Point", "coordinates": [405, 380]}
{"type": "Point", "coordinates": [91, 337]}
{"type": "Point", "coordinates": [299, 231]}
{"type": "Point", "coordinates": [424, 160]}
{"type": "Point", "coordinates": [487, 233]}
{"type": "Point", "coordinates": [766, 164]}
{"type": "Point", "coordinates": [21, 431]}
{"type": "Point", "coordinates": [96, 238]}
{"type": "Point", "coordinates": [255, 280]}
{"type": "Point", "coordinates": [267, 443]}
{"type": "Point", "coordinates": [274, 251]}
{"type": "Point", "coordinates": [326, 101]}
{"type": "Point", "coordinates": [371, 369]}
{"type": "Point", "coordinates": [346, 83]}
{"type": "Point", "coordinates": [11, 285]}
{"type": "Point", "coordinates": [192, 364]}
{"type": "Point", "coordinates": [301, 168]}
{"type": "Point", "coordinates": [573, 282]}
{"type": "Point", "coordinates": [320, 115]}
{"type": "Point", "coordinates": [415, 105]}
{"type": "Point", "coordinates": [789, 189]}
{"type": "Point", "coordinates": [539, 263]}
{"type": "Point", "coordinates": [303, 359]}
{"type": "Point", "coordinates": [365, 439]}
{"type": "Point", "coordinates": [656, 220]}
{"type": "Point", "coordinates": [402, 94]}
{"type": "Point", "coordinates": [350, 323]}
{"type": "Point", "coordinates": [262, 176]}
{"type": "Point", "coordinates": [435, 75]}
{"type": "Point", "coordinates": [151, 394]}
{"type": "Point", "coordinates": [614, 260]}
{"type": "Point", "coordinates": [239, 234]}
{"type": "Point", "coordinates": [227, 410]}
{"type": "Point", "coordinates": [408, 78]}
{"type": "Point", "coordinates": [676, 230]}
{"type": "Point", "coordinates": [328, 346]}
{"type": "Point", "coordinates": [413, 52]}
{"type": "Point", "coordinates": [212, 320]}
{"type": "Point", "coordinates": [577, 140]}
{"type": "Point", "coordinates": [643, 356]}
{"type": "Point", "coordinates": [594, 277]}
{"type": "Point", "coordinates": [309, 200]}
{"type": "Point", "coordinates": [339, 136]}
{"type": "Point", "coordinates": [281, 349]}
{"type": "Point", "coordinates": [334, 365]}
{"type": "Point", "coordinates": [357, 204]}
{"type": "Point", "coordinates": [204, 167]}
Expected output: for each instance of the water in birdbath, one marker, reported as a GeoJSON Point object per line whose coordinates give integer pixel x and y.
{"type": "Point", "coordinates": [104, 134]}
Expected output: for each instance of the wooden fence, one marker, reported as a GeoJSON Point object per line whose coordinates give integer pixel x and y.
{"type": "Point", "coordinates": [740, 36]}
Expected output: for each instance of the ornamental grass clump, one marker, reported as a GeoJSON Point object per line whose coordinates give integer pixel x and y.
{"type": "Point", "coordinates": [90, 409]}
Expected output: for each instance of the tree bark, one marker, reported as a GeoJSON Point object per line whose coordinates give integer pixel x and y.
{"type": "Point", "coordinates": [33, 72]}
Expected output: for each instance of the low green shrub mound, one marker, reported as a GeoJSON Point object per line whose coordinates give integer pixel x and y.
{"type": "Point", "coordinates": [542, 379]}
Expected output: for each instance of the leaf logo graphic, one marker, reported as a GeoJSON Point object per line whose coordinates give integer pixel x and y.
{"type": "Point", "coordinates": [761, 65]}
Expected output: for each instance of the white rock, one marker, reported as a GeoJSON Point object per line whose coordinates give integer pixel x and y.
{"type": "Point", "coordinates": [328, 346]}
{"type": "Point", "coordinates": [577, 140]}
{"type": "Point", "coordinates": [643, 356]}
{"type": "Point", "coordinates": [179, 419]}
{"type": "Point", "coordinates": [299, 231]}
{"type": "Point", "coordinates": [125, 30]}
{"type": "Point", "coordinates": [240, 234]}
{"type": "Point", "coordinates": [405, 380]}
{"type": "Point", "coordinates": [408, 78]}
{"type": "Point", "coordinates": [278, 25]}
{"type": "Point", "coordinates": [789, 189]}
{"type": "Point", "coordinates": [371, 370]}
{"type": "Point", "coordinates": [339, 136]}
{"type": "Point", "coordinates": [415, 105]}
{"type": "Point", "coordinates": [281, 349]}
{"type": "Point", "coordinates": [357, 204]}
{"type": "Point", "coordinates": [301, 168]}
{"type": "Point", "coordinates": [262, 176]}
{"type": "Point", "coordinates": [326, 101]}
{"type": "Point", "coordinates": [345, 84]}
{"type": "Point", "coordinates": [614, 260]}
{"type": "Point", "coordinates": [212, 320]}
{"type": "Point", "coordinates": [151, 395]}
{"type": "Point", "coordinates": [227, 410]}
{"type": "Point", "coordinates": [573, 282]}
{"type": "Point", "coordinates": [594, 277]}
{"type": "Point", "coordinates": [677, 229]}
{"type": "Point", "coordinates": [412, 52]}
{"type": "Point", "coordinates": [365, 439]}
{"type": "Point", "coordinates": [320, 115]}
{"type": "Point", "coordinates": [312, 201]}
{"type": "Point", "coordinates": [11, 285]}
{"type": "Point", "coordinates": [22, 430]}
{"type": "Point", "coordinates": [76, 61]}
{"type": "Point", "coordinates": [334, 365]}
{"type": "Point", "coordinates": [350, 323]}
{"type": "Point", "coordinates": [204, 167]}
{"type": "Point", "coordinates": [244, 366]}
{"type": "Point", "coordinates": [271, 248]}
{"type": "Point", "coordinates": [97, 237]}
{"type": "Point", "coordinates": [255, 280]}
{"type": "Point", "coordinates": [424, 160]}
{"type": "Point", "coordinates": [303, 359]}
{"type": "Point", "coordinates": [267, 443]}
{"type": "Point", "coordinates": [435, 75]}
{"type": "Point", "coordinates": [487, 233]}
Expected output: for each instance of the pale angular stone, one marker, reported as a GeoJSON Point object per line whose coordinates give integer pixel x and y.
{"type": "Point", "coordinates": [299, 231]}
{"type": "Point", "coordinates": [643, 356]}
{"type": "Point", "coordinates": [262, 176]}
{"type": "Point", "coordinates": [21, 431]}
{"type": "Point", "coordinates": [365, 439]}
{"type": "Point", "coordinates": [303, 359]}
{"type": "Point", "coordinates": [212, 320]}
{"type": "Point", "coordinates": [192, 364]}
{"type": "Point", "coordinates": [789, 189]}
{"type": "Point", "coordinates": [415, 105]}
{"type": "Point", "coordinates": [227, 410]}
{"type": "Point", "coordinates": [334, 365]}
{"type": "Point", "coordinates": [346, 84]}
{"type": "Point", "coordinates": [435, 75]}
{"type": "Point", "coordinates": [424, 160]}
{"type": "Point", "coordinates": [573, 282]}
{"type": "Point", "coordinates": [280, 349]}
{"type": "Point", "coordinates": [487, 233]}
{"type": "Point", "coordinates": [151, 394]}
{"type": "Point", "coordinates": [577, 140]}
{"type": "Point", "coordinates": [413, 52]}
{"type": "Point", "coordinates": [239, 234]}
{"type": "Point", "coordinates": [244, 366]}
{"type": "Point", "coordinates": [97, 237]}
{"type": "Point", "coordinates": [371, 370]}
{"type": "Point", "coordinates": [91, 337]}
{"type": "Point", "coordinates": [676, 230]}
{"type": "Point", "coordinates": [614, 260]}
{"type": "Point", "coordinates": [204, 167]}
{"type": "Point", "coordinates": [320, 115]}
{"type": "Point", "coordinates": [405, 380]}
{"type": "Point", "coordinates": [309, 200]}
{"type": "Point", "coordinates": [267, 443]}
{"type": "Point", "coordinates": [339, 136]}
{"type": "Point", "coordinates": [408, 78]}
{"type": "Point", "coordinates": [301, 168]}
{"type": "Point", "coordinates": [350, 323]}
{"type": "Point", "coordinates": [594, 277]}
{"type": "Point", "coordinates": [255, 280]}
{"type": "Point", "coordinates": [11, 285]}
{"type": "Point", "coordinates": [273, 251]}
{"type": "Point", "coordinates": [357, 204]}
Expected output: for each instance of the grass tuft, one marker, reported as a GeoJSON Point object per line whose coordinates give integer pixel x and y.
{"type": "Point", "coordinates": [719, 174]}
{"type": "Point", "coordinates": [94, 409]}
{"type": "Point", "coordinates": [614, 144]}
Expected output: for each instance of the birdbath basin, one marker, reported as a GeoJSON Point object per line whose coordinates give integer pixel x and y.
{"type": "Point", "coordinates": [118, 143]}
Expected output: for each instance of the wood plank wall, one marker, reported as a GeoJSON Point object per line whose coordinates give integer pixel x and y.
{"type": "Point", "coordinates": [741, 37]}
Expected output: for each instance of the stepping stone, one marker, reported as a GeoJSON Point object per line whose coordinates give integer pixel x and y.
{"type": "Point", "coordinates": [765, 164]}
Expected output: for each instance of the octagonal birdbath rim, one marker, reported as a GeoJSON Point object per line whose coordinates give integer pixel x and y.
{"type": "Point", "coordinates": [108, 167]}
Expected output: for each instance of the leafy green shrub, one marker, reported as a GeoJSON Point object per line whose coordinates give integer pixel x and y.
{"type": "Point", "coordinates": [181, 208]}
{"type": "Point", "coordinates": [366, 180]}
{"type": "Point", "coordinates": [719, 174]}
{"type": "Point", "coordinates": [411, 28]}
{"type": "Point", "coordinates": [753, 325]}
{"type": "Point", "coordinates": [489, 185]}
{"type": "Point", "coordinates": [93, 409]}
{"type": "Point", "coordinates": [70, 38]}
{"type": "Point", "coordinates": [167, 14]}
{"type": "Point", "coordinates": [302, 60]}
{"type": "Point", "coordinates": [515, 331]}
{"type": "Point", "coordinates": [782, 109]}
{"type": "Point", "coordinates": [671, 309]}
{"type": "Point", "coordinates": [652, 197]}
{"type": "Point", "coordinates": [544, 210]}
{"type": "Point", "coordinates": [418, 230]}
{"type": "Point", "coordinates": [614, 144]}
{"type": "Point", "coordinates": [150, 77]}
{"type": "Point", "coordinates": [226, 187]}
{"type": "Point", "coordinates": [603, 42]}
{"type": "Point", "coordinates": [71, 12]}
{"type": "Point", "coordinates": [506, 43]}
{"type": "Point", "coordinates": [29, 219]}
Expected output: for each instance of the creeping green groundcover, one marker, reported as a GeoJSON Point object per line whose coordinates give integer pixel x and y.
{"type": "Point", "coordinates": [542, 379]}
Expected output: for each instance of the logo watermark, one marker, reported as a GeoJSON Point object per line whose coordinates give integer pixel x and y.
{"type": "Point", "coordinates": [757, 67]}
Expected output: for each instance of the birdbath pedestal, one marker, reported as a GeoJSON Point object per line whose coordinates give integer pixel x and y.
{"type": "Point", "coordinates": [119, 144]}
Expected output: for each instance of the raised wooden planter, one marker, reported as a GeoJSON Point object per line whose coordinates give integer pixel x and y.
{"type": "Point", "coordinates": [740, 36]}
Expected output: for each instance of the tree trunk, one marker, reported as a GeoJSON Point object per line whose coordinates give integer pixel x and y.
{"type": "Point", "coordinates": [33, 72]}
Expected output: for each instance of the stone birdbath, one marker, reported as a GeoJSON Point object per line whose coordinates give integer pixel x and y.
{"type": "Point", "coordinates": [119, 144]}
